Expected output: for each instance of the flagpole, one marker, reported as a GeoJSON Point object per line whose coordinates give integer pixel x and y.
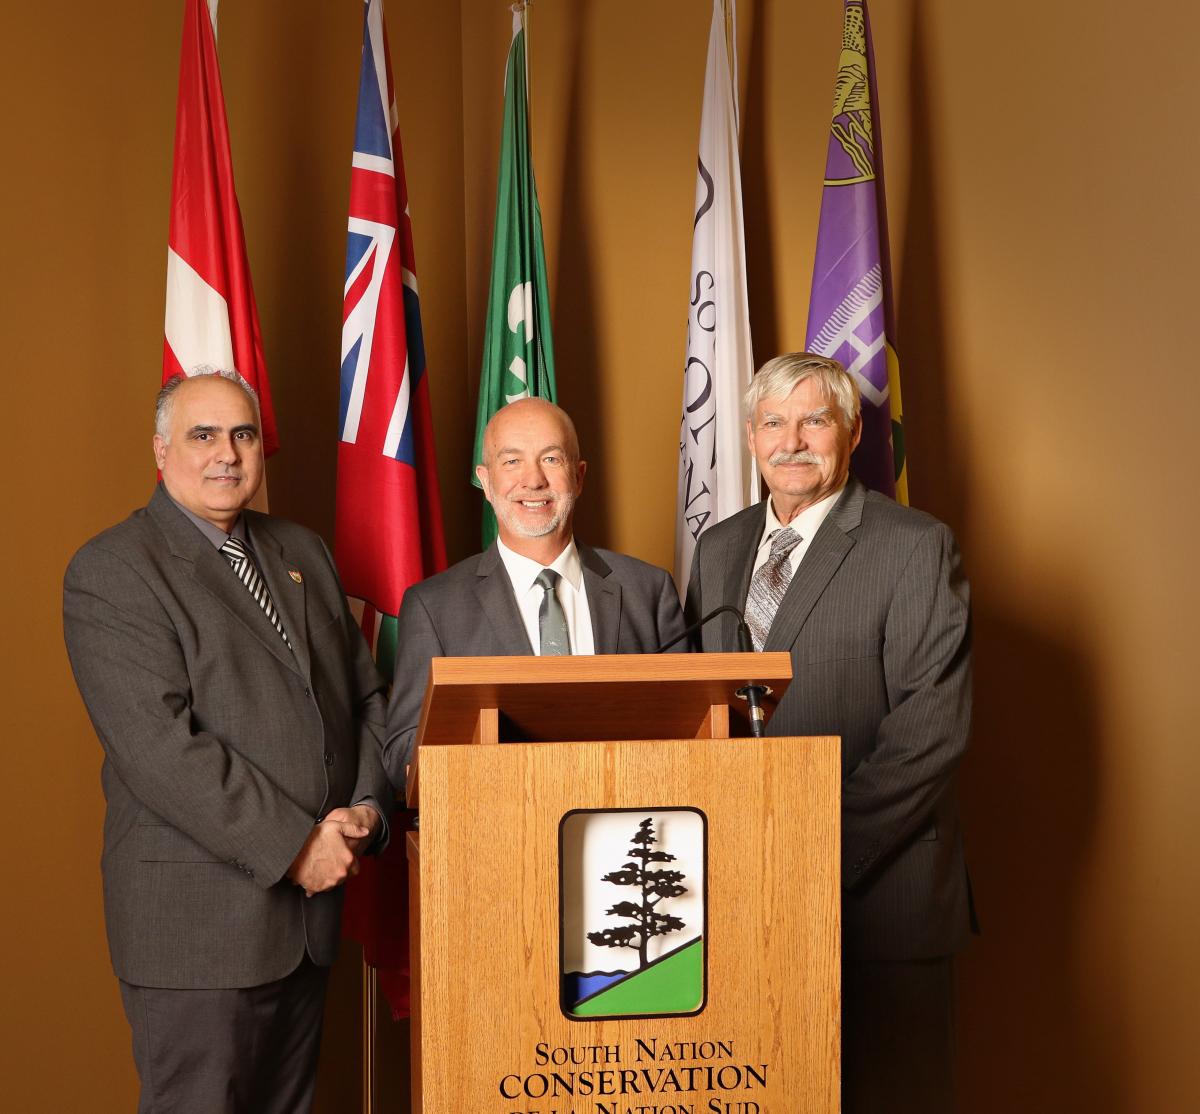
{"type": "Point", "coordinates": [729, 7]}
{"type": "Point", "coordinates": [370, 990]}
{"type": "Point", "coordinates": [522, 7]}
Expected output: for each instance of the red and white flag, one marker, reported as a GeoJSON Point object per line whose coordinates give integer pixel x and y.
{"type": "Point", "coordinates": [211, 315]}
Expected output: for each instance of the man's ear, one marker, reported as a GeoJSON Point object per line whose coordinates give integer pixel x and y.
{"type": "Point", "coordinates": [481, 474]}
{"type": "Point", "coordinates": [856, 433]}
{"type": "Point", "coordinates": [580, 471]}
{"type": "Point", "coordinates": [160, 450]}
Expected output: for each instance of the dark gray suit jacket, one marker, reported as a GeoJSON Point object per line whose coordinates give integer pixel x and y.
{"type": "Point", "coordinates": [221, 745]}
{"type": "Point", "coordinates": [470, 610]}
{"type": "Point", "coordinates": [877, 621]}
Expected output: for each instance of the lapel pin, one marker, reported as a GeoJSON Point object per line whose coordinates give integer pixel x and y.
{"type": "Point", "coordinates": [295, 575]}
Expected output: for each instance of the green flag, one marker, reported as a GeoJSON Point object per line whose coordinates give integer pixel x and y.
{"type": "Point", "coordinates": [518, 352]}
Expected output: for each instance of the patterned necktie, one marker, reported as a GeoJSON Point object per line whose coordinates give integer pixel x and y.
{"type": "Point", "coordinates": [552, 620]}
{"type": "Point", "coordinates": [770, 585]}
{"type": "Point", "coordinates": [247, 572]}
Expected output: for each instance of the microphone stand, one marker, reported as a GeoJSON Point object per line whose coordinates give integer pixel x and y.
{"type": "Point", "coordinates": [751, 692]}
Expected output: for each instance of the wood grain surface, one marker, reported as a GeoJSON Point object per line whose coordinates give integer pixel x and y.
{"type": "Point", "coordinates": [488, 966]}
{"type": "Point", "coordinates": [605, 696]}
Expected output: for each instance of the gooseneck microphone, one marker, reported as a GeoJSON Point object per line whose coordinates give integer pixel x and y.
{"type": "Point", "coordinates": [751, 692]}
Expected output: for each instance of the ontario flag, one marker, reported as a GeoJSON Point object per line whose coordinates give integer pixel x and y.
{"type": "Point", "coordinates": [389, 519]}
{"type": "Point", "coordinates": [211, 314]}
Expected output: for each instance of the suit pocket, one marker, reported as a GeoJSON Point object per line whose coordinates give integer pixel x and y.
{"type": "Point", "coordinates": [839, 648]}
{"type": "Point", "coordinates": [160, 843]}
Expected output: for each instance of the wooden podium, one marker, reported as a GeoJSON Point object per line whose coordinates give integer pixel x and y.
{"type": "Point", "coordinates": [740, 1018]}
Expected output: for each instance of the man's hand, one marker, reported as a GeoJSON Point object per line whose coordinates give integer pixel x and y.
{"type": "Point", "coordinates": [327, 858]}
{"type": "Point", "coordinates": [362, 816]}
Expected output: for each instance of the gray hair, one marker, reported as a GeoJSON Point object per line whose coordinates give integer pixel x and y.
{"type": "Point", "coordinates": [166, 396]}
{"type": "Point", "coordinates": [777, 378]}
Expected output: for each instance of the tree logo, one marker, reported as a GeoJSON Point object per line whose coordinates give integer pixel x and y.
{"type": "Point", "coordinates": [652, 962]}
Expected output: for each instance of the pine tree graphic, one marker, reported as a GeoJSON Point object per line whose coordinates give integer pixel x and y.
{"type": "Point", "coordinates": [654, 886]}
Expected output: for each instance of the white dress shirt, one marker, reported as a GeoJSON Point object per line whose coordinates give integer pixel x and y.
{"type": "Point", "coordinates": [522, 572]}
{"type": "Point", "coordinates": [806, 524]}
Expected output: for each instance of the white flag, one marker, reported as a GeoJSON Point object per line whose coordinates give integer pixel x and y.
{"type": "Point", "coordinates": [717, 474]}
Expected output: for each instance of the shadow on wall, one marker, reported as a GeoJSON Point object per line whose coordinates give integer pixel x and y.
{"type": "Point", "coordinates": [579, 353]}
{"type": "Point", "coordinates": [1030, 802]}
{"type": "Point", "coordinates": [756, 198]}
{"type": "Point", "coordinates": [1035, 1035]}
{"type": "Point", "coordinates": [307, 107]}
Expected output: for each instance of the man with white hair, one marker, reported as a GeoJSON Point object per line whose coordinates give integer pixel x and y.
{"type": "Point", "coordinates": [870, 600]}
{"type": "Point", "coordinates": [536, 589]}
{"type": "Point", "coordinates": [240, 714]}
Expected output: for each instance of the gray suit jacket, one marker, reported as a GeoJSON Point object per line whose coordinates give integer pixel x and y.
{"type": "Point", "coordinates": [221, 745]}
{"type": "Point", "coordinates": [877, 621]}
{"type": "Point", "coordinates": [470, 610]}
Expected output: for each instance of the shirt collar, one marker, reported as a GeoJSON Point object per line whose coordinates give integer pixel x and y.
{"type": "Point", "coordinates": [523, 571]}
{"type": "Point", "coordinates": [806, 523]}
{"type": "Point", "coordinates": [214, 534]}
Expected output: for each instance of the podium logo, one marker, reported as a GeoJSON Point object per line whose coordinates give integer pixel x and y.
{"type": "Point", "coordinates": [632, 912]}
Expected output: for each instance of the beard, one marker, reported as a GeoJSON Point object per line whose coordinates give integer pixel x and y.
{"type": "Point", "coordinates": [508, 513]}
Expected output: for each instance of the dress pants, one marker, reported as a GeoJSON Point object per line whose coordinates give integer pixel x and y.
{"type": "Point", "coordinates": [247, 1050]}
{"type": "Point", "coordinates": [898, 1037]}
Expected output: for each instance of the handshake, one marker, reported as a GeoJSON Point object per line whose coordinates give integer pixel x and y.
{"type": "Point", "coordinates": [331, 852]}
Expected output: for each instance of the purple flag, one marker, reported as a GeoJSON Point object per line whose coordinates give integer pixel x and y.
{"type": "Point", "coordinates": [850, 309]}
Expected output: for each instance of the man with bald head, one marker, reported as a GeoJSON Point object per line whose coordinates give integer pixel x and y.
{"type": "Point", "coordinates": [241, 717]}
{"type": "Point", "coordinates": [536, 589]}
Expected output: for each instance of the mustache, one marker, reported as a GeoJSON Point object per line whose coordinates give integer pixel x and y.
{"type": "Point", "coordinates": [535, 496]}
{"type": "Point", "coordinates": [797, 458]}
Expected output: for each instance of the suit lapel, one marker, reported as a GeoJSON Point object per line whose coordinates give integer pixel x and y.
{"type": "Point", "coordinates": [288, 593]}
{"type": "Point", "coordinates": [604, 600]}
{"type": "Point", "coordinates": [495, 593]}
{"type": "Point", "coordinates": [212, 572]}
{"type": "Point", "coordinates": [824, 556]}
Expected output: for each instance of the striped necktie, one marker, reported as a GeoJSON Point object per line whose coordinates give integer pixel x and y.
{"type": "Point", "coordinates": [770, 585]}
{"type": "Point", "coordinates": [247, 572]}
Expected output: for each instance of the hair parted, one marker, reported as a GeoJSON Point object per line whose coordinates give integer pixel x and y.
{"type": "Point", "coordinates": [166, 395]}
{"type": "Point", "coordinates": [777, 378]}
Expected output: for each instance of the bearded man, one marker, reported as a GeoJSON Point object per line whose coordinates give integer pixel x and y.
{"type": "Point", "coordinates": [536, 589]}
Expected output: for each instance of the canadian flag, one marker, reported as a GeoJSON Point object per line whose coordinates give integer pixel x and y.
{"type": "Point", "coordinates": [211, 314]}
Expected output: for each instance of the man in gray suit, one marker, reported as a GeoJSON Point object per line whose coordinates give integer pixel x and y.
{"type": "Point", "coordinates": [536, 590]}
{"type": "Point", "coordinates": [241, 715]}
{"type": "Point", "coordinates": [869, 599]}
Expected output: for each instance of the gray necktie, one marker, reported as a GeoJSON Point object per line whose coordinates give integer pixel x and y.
{"type": "Point", "coordinates": [770, 585]}
{"type": "Point", "coordinates": [247, 572]}
{"type": "Point", "coordinates": [552, 620]}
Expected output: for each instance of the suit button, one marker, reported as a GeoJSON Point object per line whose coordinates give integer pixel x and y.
{"type": "Point", "coordinates": [307, 691]}
{"type": "Point", "coordinates": [329, 758]}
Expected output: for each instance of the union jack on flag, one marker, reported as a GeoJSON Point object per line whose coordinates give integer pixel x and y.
{"type": "Point", "coordinates": [389, 518]}
{"type": "Point", "coordinates": [389, 524]}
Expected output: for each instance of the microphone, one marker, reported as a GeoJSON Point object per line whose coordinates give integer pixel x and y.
{"type": "Point", "coordinates": [751, 691]}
